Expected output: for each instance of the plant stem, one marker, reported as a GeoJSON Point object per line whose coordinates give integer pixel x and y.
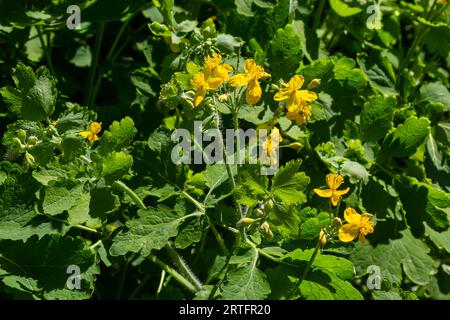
{"type": "Point", "coordinates": [46, 49]}
{"type": "Point", "coordinates": [184, 267]}
{"type": "Point", "coordinates": [218, 237]}
{"type": "Point", "coordinates": [78, 226]}
{"type": "Point", "coordinates": [318, 14]}
{"type": "Point", "coordinates": [197, 204]}
{"type": "Point", "coordinates": [182, 280]}
{"type": "Point", "coordinates": [98, 43]}
{"type": "Point", "coordinates": [305, 272]}
{"type": "Point", "coordinates": [122, 186]}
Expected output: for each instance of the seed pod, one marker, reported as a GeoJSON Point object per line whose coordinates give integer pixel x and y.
{"type": "Point", "coordinates": [337, 222]}
{"type": "Point", "coordinates": [245, 222]}
{"type": "Point", "coordinates": [322, 238]}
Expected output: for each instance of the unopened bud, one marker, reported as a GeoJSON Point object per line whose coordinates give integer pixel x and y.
{"type": "Point", "coordinates": [22, 134]}
{"type": "Point", "coordinates": [223, 97]}
{"type": "Point", "coordinates": [322, 238]}
{"type": "Point", "coordinates": [337, 222]}
{"type": "Point", "coordinates": [314, 83]}
{"type": "Point", "coordinates": [258, 212]}
{"type": "Point", "coordinates": [274, 87]}
{"type": "Point", "coordinates": [245, 222]}
{"type": "Point", "coordinates": [29, 158]}
{"type": "Point", "coordinates": [295, 145]}
{"type": "Point", "coordinates": [265, 230]}
{"type": "Point", "coordinates": [268, 205]}
{"type": "Point", "coordinates": [32, 140]}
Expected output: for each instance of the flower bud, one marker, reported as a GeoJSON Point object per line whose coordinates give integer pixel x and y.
{"type": "Point", "coordinates": [22, 134]}
{"type": "Point", "coordinates": [258, 212]}
{"type": "Point", "coordinates": [223, 97]}
{"type": "Point", "coordinates": [314, 83]}
{"type": "Point", "coordinates": [29, 158]}
{"type": "Point", "coordinates": [268, 205]}
{"type": "Point", "coordinates": [32, 140]}
{"type": "Point", "coordinates": [337, 222]}
{"type": "Point", "coordinates": [265, 230]}
{"type": "Point", "coordinates": [274, 87]}
{"type": "Point", "coordinates": [295, 145]}
{"type": "Point", "coordinates": [322, 238]}
{"type": "Point", "coordinates": [245, 222]}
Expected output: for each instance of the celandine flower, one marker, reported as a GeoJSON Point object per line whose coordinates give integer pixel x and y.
{"type": "Point", "coordinates": [202, 84]}
{"type": "Point", "coordinates": [215, 68]}
{"type": "Point", "coordinates": [334, 181]}
{"type": "Point", "coordinates": [359, 225]}
{"type": "Point", "coordinates": [271, 144]}
{"type": "Point", "coordinates": [91, 134]}
{"type": "Point", "coordinates": [250, 78]}
{"type": "Point", "coordinates": [297, 100]}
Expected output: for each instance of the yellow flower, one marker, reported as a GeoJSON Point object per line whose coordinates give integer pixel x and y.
{"type": "Point", "coordinates": [250, 78]}
{"type": "Point", "coordinates": [271, 144]}
{"type": "Point", "coordinates": [294, 96]}
{"type": "Point", "coordinates": [214, 68]}
{"type": "Point", "coordinates": [442, 2]}
{"type": "Point", "coordinates": [91, 134]}
{"type": "Point", "coordinates": [202, 84]}
{"type": "Point", "coordinates": [334, 181]}
{"type": "Point", "coordinates": [300, 113]}
{"type": "Point", "coordinates": [358, 226]}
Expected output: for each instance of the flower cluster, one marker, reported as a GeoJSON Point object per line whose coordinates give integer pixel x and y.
{"type": "Point", "coordinates": [358, 225]}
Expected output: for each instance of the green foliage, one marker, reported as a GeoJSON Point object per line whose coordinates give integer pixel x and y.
{"type": "Point", "coordinates": [89, 118]}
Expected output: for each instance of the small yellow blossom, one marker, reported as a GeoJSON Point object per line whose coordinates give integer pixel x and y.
{"type": "Point", "coordinates": [334, 181]}
{"type": "Point", "coordinates": [253, 73]}
{"type": "Point", "coordinates": [271, 144]}
{"type": "Point", "coordinates": [215, 68]}
{"type": "Point", "coordinates": [322, 238]}
{"type": "Point", "coordinates": [359, 225]}
{"type": "Point", "coordinates": [91, 134]}
{"type": "Point", "coordinates": [300, 113]}
{"type": "Point", "coordinates": [202, 84]}
{"type": "Point", "coordinates": [292, 93]}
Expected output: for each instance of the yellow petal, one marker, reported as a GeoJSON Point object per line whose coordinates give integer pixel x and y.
{"type": "Point", "coordinates": [86, 134]}
{"type": "Point", "coordinates": [198, 81]}
{"type": "Point", "coordinates": [351, 216]}
{"type": "Point", "coordinates": [335, 198]}
{"type": "Point", "coordinates": [214, 83]}
{"type": "Point", "coordinates": [253, 93]}
{"type": "Point", "coordinates": [281, 95]}
{"type": "Point", "coordinates": [250, 65]}
{"type": "Point", "coordinates": [296, 82]}
{"type": "Point", "coordinates": [199, 96]}
{"type": "Point", "coordinates": [222, 72]}
{"type": "Point", "coordinates": [239, 80]}
{"type": "Point", "coordinates": [334, 180]}
{"type": "Point", "coordinates": [307, 95]}
{"type": "Point", "coordinates": [347, 233]}
{"type": "Point", "coordinates": [323, 193]}
{"type": "Point", "coordinates": [342, 192]}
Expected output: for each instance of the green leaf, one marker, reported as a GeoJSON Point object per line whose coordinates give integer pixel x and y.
{"type": "Point", "coordinates": [59, 199]}
{"type": "Point", "coordinates": [310, 229]}
{"type": "Point", "coordinates": [244, 7]}
{"type": "Point", "coordinates": [40, 267]}
{"type": "Point", "coordinates": [82, 57]}
{"type": "Point", "coordinates": [190, 232]}
{"type": "Point", "coordinates": [435, 92]}
{"type": "Point", "coordinates": [116, 164]}
{"type": "Point", "coordinates": [407, 254]}
{"type": "Point", "coordinates": [405, 139]}
{"type": "Point", "coordinates": [288, 184]}
{"type": "Point", "coordinates": [376, 118]}
{"type": "Point", "coordinates": [118, 136]}
{"type": "Point", "coordinates": [227, 43]}
{"type": "Point", "coordinates": [252, 186]}
{"type": "Point", "coordinates": [440, 239]}
{"type": "Point", "coordinates": [342, 9]}
{"type": "Point", "coordinates": [355, 171]}
{"type": "Point", "coordinates": [285, 53]}
{"type": "Point", "coordinates": [3, 177]}
{"type": "Point", "coordinates": [247, 283]}
{"type": "Point", "coordinates": [152, 230]}
{"type": "Point", "coordinates": [422, 203]}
